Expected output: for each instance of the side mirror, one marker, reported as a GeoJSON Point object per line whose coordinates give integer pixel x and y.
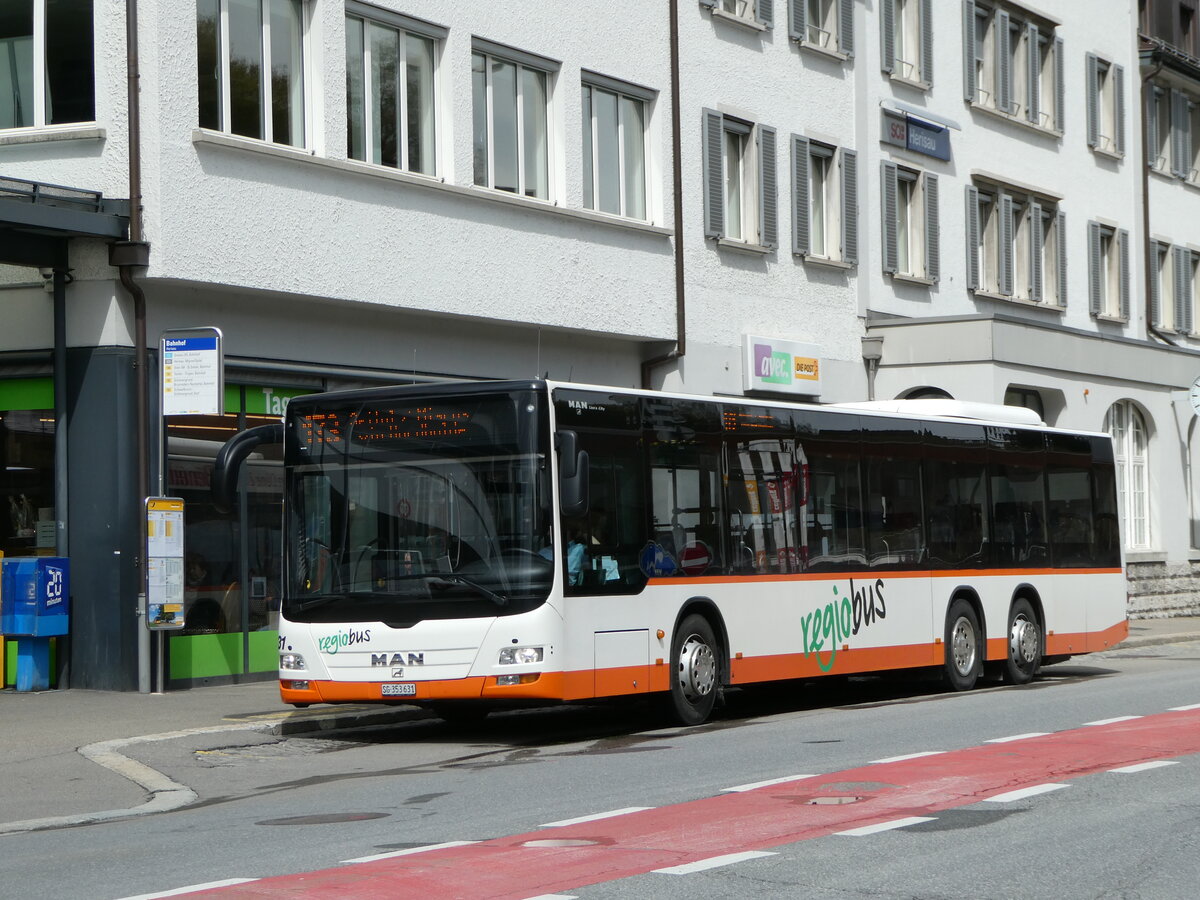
{"type": "Point", "coordinates": [228, 464]}
{"type": "Point", "coordinates": [573, 485]}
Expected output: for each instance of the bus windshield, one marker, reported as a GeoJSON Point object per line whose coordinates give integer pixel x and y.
{"type": "Point", "coordinates": [403, 509]}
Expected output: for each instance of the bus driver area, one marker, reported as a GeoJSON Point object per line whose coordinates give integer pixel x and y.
{"type": "Point", "coordinates": [693, 543]}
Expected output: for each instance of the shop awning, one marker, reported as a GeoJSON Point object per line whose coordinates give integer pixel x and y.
{"type": "Point", "coordinates": [36, 219]}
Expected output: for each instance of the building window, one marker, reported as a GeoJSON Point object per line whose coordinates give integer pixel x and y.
{"type": "Point", "coordinates": [1108, 271]}
{"type": "Point", "coordinates": [390, 101]}
{"type": "Point", "coordinates": [1105, 106]}
{"type": "Point", "coordinates": [1013, 64]}
{"type": "Point", "coordinates": [614, 147]}
{"type": "Point", "coordinates": [250, 56]}
{"type": "Point", "coordinates": [759, 12]}
{"type": "Point", "coordinates": [1162, 152]}
{"type": "Point", "coordinates": [510, 97]}
{"type": "Point", "coordinates": [1026, 398]}
{"type": "Point", "coordinates": [739, 180]}
{"type": "Point", "coordinates": [1172, 284]}
{"type": "Point", "coordinates": [910, 223]}
{"type": "Point", "coordinates": [1128, 429]}
{"type": "Point", "coordinates": [906, 40]}
{"type": "Point", "coordinates": [825, 197]}
{"type": "Point", "coordinates": [1013, 245]}
{"type": "Point", "coordinates": [823, 24]}
{"type": "Point", "coordinates": [47, 74]}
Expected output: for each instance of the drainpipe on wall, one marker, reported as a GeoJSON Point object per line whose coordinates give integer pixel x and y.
{"type": "Point", "coordinates": [126, 255]}
{"type": "Point", "coordinates": [677, 190]}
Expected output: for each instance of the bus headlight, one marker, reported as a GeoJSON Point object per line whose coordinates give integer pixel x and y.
{"type": "Point", "coordinates": [292, 661]}
{"type": "Point", "coordinates": [519, 656]}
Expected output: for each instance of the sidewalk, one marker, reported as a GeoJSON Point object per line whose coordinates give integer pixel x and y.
{"type": "Point", "coordinates": [60, 751]}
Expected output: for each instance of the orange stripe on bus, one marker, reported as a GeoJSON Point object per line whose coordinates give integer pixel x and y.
{"type": "Point", "coordinates": [960, 574]}
{"type": "Point", "coordinates": [630, 680]}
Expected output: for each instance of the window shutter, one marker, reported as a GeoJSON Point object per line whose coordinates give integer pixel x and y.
{"type": "Point", "coordinates": [1118, 74]}
{"type": "Point", "coordinates": [1150, 101]}
{"type": "Point", "coordinates": [1185, 140]}
{"type": "Point", "coordinates": [849, 207]}
{"type": "Point", "coordinates": [1187, 261]}
{"type": "Point", "coordinates": [800, 200]}
{"type": "Point", "coordinates": [1004, 98]}
{"type": "Point", "coordinates": [969, 87]}
{"type": "Point", "coordinates": [933, 263]}
{"type": "Point", "coordinates": [891, 249]}
{"type": "Point", "coordinates": [1156, 284]}
{"type": "Point", "coordinates": [926, 23]}
{"type": "Point", "coordinates": [1182, 260]}
{"type": "Point", "coordinates": [798, 20]}
{"type": "Point", "coordinates": [1178, 113]}
{"type": "Point", "coordinates": [972, 238]}
{"type": "Point", "coordinates": [1060, 240]}
{"type": "Point", "coordinates": [1060, 90]}
{"type": "Point", "coordinates": [1033, 83]}
{"type": "Point", "coordinates": [764, 12]}
{"type": "Point", "coordinates": [1093, 100]}
{"type": "Point", "coordinates": [1006, 245]}
{"type": "Point", "coordinates": [846, 26]}
{"type": "Point", "coordinates": [768, 188]}
{"type": "Point", "coordinates": [714, 170]}
{"type": "Point", "coordinates": [1037, 244]}
{"type": "Point", "coordinates": [887, 35]}
{"type": "Point", "coordinates": [1123, 270]}
{"type": "Point", "coordinates": [1094, 267]}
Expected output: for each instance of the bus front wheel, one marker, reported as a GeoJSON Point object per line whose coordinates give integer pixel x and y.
{"type": "Point", "coordinates": [1024, 644]}
{"type": "Point", "coordinates": [963, 657]}
{"type": "Point", "coordinates": [694, 671]}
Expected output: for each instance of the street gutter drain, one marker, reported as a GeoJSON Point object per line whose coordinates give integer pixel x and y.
{"type": "Point", "coordinates": [325, 819]}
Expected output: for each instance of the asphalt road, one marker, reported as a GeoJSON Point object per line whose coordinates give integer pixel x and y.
{"type": "Point", "coordinates": [279, 806]}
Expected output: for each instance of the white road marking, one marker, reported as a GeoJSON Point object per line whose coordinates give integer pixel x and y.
{"type": "Point", "coordinates": [1142, 767]}
{"type": "Point", "coordinates": [885, 826]}
{"type": "Point", "coordinates": [553, 897]}
{"type": "Point", "coordinates": [192, 889]}
{"type": "Point", "coordinates": [1185, 708]}
{"type": "Point", "coordinates": [758, 784]}
{"type": "Point", "coordinates": [408, 852]}
{"type": "Point", "coordinates": [892, 759]}
{"type": "Point", "coordinates": [1023, 793]}
{"type": "Point", "coordinates": [1017, 737]}
{"type": "Point", "coordinates": [1112, 720]}
{"type": "Point", "coordinates": [595, 816]}
{"type": "Point", "coordinates": [713, 862]}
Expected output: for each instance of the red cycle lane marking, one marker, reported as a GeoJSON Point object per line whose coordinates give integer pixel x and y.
{"type": "Point", "coordinates": [771, 816]}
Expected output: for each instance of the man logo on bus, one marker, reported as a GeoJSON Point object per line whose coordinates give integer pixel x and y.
{"type": "Point", "coordinates": [397, 659]}
{"type": "Point", "coordinates": [774, 368]}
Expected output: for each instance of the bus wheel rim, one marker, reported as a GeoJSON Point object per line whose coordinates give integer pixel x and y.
{"type": "Point", "coordinates": [1023, 641]}
{"type": "Point", "coordinates": [697, 668]}
{"type": "Point", "coordinates": [962, 646]}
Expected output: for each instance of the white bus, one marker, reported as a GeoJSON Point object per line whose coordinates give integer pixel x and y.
{"type": "Point", "coordinates": [470, 545]}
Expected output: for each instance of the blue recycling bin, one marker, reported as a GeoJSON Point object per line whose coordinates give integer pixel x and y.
{"type": "Point", "coordinates": [34, 607]}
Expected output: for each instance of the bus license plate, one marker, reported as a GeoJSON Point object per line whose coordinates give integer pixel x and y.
{"type": "Point", "coordinates": [400, 690]}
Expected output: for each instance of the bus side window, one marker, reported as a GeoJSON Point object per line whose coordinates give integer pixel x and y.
{"type": "Point", "coordinates": [833, 513]}
{"type": "Point", "coordinates": [613, 531]}
{"type": "Point", "coordinates": [685, 503]}
{"type": "Point", "coordinates": [762, 493]}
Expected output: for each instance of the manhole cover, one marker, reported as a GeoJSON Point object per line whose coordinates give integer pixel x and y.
{"type": "Point", "coordinates": [324, 819]}
{"type": "Point", "coordinates": [561, 842]}
{"type": "Point", "coordinates": [832, 801]}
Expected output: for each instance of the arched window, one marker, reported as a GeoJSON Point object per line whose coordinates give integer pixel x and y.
{"type": "Point", "coordinates": [1128, 429]}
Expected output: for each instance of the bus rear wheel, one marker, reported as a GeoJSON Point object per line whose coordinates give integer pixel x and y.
{"type": "Point", "coordinates": [694, 671]}
{"type": "Point", "coordinates": [963, 657]}
{"type": "Point", "coordinates": [1024, 644]}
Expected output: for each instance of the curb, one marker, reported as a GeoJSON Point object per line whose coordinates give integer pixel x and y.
{"type": "Point", "coordinates": [1150, 640]}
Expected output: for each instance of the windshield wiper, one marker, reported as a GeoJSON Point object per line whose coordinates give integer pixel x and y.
{"type": "Point", "coordinates": [449, 578]}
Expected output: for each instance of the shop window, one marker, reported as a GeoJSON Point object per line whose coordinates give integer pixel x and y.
{"type": "Point", "coordinates": [27, 522]}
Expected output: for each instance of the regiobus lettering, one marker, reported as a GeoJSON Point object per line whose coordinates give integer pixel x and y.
{"type": "Point", "coordinates": [545, 542]}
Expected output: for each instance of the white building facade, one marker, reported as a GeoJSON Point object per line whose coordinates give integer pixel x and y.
{"type": "Point", "coordinates": [657, 193]}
